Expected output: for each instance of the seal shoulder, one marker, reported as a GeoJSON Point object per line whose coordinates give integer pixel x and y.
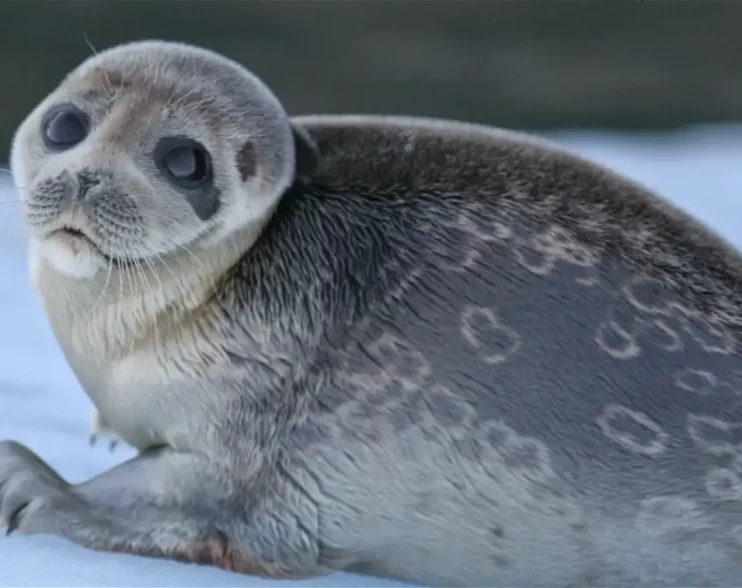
{"type": "Point", "coordinates": [461, 157]}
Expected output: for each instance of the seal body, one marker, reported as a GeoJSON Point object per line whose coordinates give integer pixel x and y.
{"type": "Point", "coordinates": [450, 355]}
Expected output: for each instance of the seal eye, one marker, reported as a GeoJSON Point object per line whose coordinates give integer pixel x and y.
{"type": "Point", "coordinates": [65, 127]}
{"type": "Point", "coordinates": [186, 163]}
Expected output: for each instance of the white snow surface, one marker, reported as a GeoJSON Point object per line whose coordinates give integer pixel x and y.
{"type": "Point", "coordinates": [42, 405]}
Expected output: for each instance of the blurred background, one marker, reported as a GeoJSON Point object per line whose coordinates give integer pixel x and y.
{"type": "Point", "coordinates": [553, 64]}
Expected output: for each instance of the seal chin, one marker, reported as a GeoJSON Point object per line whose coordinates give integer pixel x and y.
{"type": "Point", "coordinates": [72, 253]}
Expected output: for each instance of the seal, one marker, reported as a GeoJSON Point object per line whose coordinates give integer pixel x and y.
{"type": "Point", "coordinates": [426, 350]}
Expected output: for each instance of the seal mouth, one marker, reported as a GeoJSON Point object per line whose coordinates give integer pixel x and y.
{"type": "Point", "coordinates": [73, 233]}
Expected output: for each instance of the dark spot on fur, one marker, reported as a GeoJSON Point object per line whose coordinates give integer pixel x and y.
{"type": "Point", "coordinates": [204, 204]}
{"type": "Point", "coordinates": [498, 531]}
{"type": "Point", "coordinates": [247, 161]}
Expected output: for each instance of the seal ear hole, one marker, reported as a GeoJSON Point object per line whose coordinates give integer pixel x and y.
{"type": "Point", "coordinates": [247, 160]}
{"type": "Point", "coordinates": [306, 152]}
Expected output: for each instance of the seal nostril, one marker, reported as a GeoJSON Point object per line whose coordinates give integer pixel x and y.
{"type": "Point", "coordinates": [85, 181]}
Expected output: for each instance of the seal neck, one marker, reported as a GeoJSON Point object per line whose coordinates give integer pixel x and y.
{"type": "Point", "coordinates": [117, 311]}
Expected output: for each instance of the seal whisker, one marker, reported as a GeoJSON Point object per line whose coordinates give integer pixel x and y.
{"type": "Point", "coordinates": [89, 44]}
{"type": "Point", "coordinates": [137, 279]}
{"type": "Point", "coordinates": [178, 101]}
{"type": "Point", "coordinates": [142, 272]}
{"type": "Point", "coordinates": [120, 301]}
{"type": "Point", "coordinates": [153, 271]}
{"type": "Point", "coordinates": [110, 90]}
{"type": "Point", "coordinates": [109, 268]}
{"type": "Point", "coordinates": [139, 305]}
{"type": "Point", "coordinates": [159, 257]}
{"type": "Point", "coordinates": [197, 261]}
{"type": "Point", "coordinates": [184, 248]}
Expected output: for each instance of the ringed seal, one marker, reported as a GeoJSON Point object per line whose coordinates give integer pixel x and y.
{"type": "Point", "coordinates": [424, 350]}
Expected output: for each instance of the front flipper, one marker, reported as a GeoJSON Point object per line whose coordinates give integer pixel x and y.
{"type": "Point", "coordinates": [99, 428]}
{"type": "Point", "coordinates": [162, 503]}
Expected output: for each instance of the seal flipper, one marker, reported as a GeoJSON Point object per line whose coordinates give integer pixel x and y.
{"type": "Point", "coordinates": [99, 428]}
{"type": "Point", "coordinates": [162, 503]}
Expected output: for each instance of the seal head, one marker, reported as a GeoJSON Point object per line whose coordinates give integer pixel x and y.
{"type": "Point", "coordinates": [116, 166]}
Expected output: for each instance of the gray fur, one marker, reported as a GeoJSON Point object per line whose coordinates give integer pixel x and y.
{"type": "Point", "coordinates": [452, 355]}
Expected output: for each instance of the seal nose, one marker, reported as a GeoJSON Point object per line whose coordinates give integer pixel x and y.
{"type": "Point", "coordinates": [86, 180]}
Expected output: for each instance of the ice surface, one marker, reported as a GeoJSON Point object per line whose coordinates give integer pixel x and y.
{"type": "Point", "coordinates": [42, 406]}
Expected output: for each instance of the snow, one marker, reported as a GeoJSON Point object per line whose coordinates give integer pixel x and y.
{"type": "Point", "coordinates": [42, 406]}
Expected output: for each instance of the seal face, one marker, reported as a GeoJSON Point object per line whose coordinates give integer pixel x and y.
{"type": "Point", "coordinates": [121, 168]}
{"type": "Point", "coordinates": [419, 349]}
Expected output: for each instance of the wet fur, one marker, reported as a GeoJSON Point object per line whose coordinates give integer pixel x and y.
{"type": "Point", "coordinates": [450, 355]}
